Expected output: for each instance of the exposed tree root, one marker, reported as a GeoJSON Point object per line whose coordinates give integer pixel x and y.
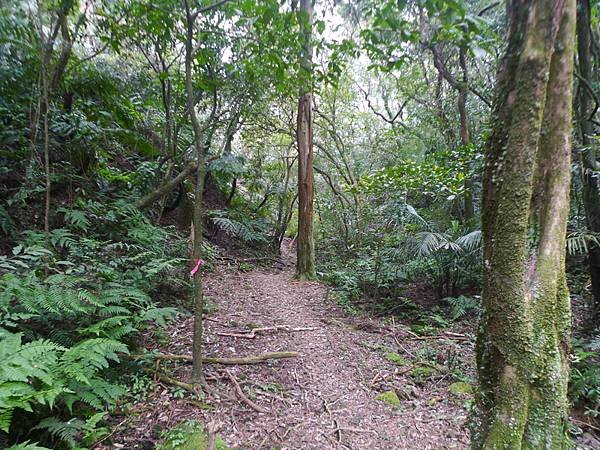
{"type": "Point", "coordinates": [243, 397]}
{"type": "Point", "coordinates": [191, 388]}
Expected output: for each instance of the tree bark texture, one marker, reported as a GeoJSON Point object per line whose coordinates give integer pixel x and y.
{"type": "Point", "coordinates": [305, 263]}
{"type": "Point", "coordinates": [523, 340]}
{"type": "Point", "coordinates": [198, 294]}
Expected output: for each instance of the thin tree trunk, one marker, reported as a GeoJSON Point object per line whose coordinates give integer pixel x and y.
{"type": "Point", "coordinates": [231, 192]}
{"type": "Point", "coordinates": [165, 188]}
{"type": "Point", "coordinates": [588, 156]}
{"type": "Point", "coordinates": [198, 294]}
{"type": "Point", "coordinates": [305, 263]}
{"type": "Point", "coordinates": [168, 144]}
{"type": "Point", "coordinates": [523, 341]}
{"type": "Point", "coordinates": [46, 107]}
{"type": "Point", "coordinates": [45, 53]}
{"type": "Point", "coordinates": [282, 212]}
{"type": "Point", "coordinates": [462, 87]}
{"type": "Point", "coordinates": [465, 134]}
{"type": "Point", "coordinates": [287, 220]}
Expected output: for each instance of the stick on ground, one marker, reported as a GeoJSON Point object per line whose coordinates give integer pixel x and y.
{"type": "Point", "coordinates": [242, 360]}
{"type": "Point", "coordinates": [243, 397]}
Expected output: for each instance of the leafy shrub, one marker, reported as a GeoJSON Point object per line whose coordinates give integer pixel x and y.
{"type": "Point", "coordinates": [246, 229]}
{"type": "Point", "coordinates": [584, 384]}
{"type": "Point", "coordinates": [462, 305]}
{"type": "Point", "coordinates": [61, 335]}
{"type": "Point", "coordinates": [449, 259]}
{"type": "Point", "coordinates": [58, 337]}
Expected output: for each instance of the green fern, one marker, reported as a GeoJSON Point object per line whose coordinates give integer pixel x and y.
{"type": "Point", "coordinates": [238, 229]}
{"type": "Point", "coordinates": [67, 432]}
{"type": "Point", "coordinates": [77, 219]}
{"type": "Point", "coordinates": [43, 373]}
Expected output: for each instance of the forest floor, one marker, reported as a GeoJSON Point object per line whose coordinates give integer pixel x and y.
{"type": "Point", "coordinates": [324, 398]}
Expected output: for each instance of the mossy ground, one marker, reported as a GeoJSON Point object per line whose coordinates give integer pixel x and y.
{"type": "Point", "coordinates": [189, 435]}
{"type": "Point", "coordinates": [389, 397]}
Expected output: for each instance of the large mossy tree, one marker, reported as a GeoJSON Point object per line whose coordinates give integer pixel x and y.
{"type": "Point", "coordinates": [523, 341]}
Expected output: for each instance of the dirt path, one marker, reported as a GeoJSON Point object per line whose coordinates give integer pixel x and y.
{"type": "Point", "coordinates": [326, 397]}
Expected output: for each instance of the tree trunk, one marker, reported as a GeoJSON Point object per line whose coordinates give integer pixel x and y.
{"type": "Point", "coordinates": [588, 156]}
{"type": "Point", "coordinates": [305, 264]}
{"type": "Point", "coordinates": [524, 335]}
{"type": "Point", "coordinates": [462, 87]}
{"type": "Point", "coordinates": [198, 294]}
{"type": "Point", "coordinates": [46, 45]}
{"type": "Point", "coordinates": [465, 134]}
{"type": "Point", "coordinates": [165, 188]}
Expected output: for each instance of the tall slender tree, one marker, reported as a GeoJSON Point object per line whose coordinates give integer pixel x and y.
{"type": "Point", "coordinates": [198, 294]}
{"type": "Point", "coordinates": [305, 263]}
{"type": "Point", "coordinates": [523, 341]}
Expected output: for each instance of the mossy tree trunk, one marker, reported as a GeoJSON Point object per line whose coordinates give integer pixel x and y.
{"type": "Point", "coordinates": [523, 341]}
{"type": "Point", "coordinates": [589, 149]}
{"type": "Point", "coordinates": [305, 262]}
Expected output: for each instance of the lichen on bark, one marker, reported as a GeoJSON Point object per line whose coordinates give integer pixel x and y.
{"type": "Point", "coordinates": [522, 346]}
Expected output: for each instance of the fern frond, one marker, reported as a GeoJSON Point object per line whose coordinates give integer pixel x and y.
{"type": "Point", "coordinates": [65, 431]}
{"type": "Point", "coordinates": [470, 241]}
{"type": "Point", "coordinates": [579, 242]}
{"type": "Point", "coordinates": [160, 316]}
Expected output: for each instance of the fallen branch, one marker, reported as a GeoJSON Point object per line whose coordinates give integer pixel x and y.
{"type": "Point", "coordinates": [355, 430]}
{"type": "Point", "coordinates": [585, 424]}
{"type": "Point", "coordinates": [337, 430]}
{"type": "Point", "coordinates": [252, 333]}
{"type": "Point", "coordinates": [447, 335]}
{"type": "Point", "coordinates": [243, 397]}
{"type": "Point", "coordinates": [253, 359]}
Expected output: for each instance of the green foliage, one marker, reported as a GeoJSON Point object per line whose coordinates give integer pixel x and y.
{"type": "Point", "coordinates": [463, 305]}
{"type": "Point", "coordinates": [61, 335]}
{"type": "Point", "coordinates": [584, 384]}
{"type": "Point", "coordinates": [189, 436]}
{"type": "Point", "coordinates": [450, 259]}
{"type": "Point", "coordinates": [41, 374]}
{"type": "Point", "coordinates": [247, 229]}
{"type": "Point", "coordinates": [7, 225]}
{"type": "Point", "coordinates": [73, 336]}
{"type": "Point", "coordinates": [579, 242]}
{"type": "Point", "coordinates": [26, 446]}
{"type": "Point", "coordinates": [440, 175]}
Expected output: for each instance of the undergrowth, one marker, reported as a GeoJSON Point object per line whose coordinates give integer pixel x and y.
{"type": "Point", "coordinates": [69, 313]}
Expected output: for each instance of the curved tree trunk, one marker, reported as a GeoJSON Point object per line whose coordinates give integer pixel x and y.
{"type": "Point", "coordinates": [166, 187]}
{"type": "Point", "coordinates": [523, 341]}
{"type": "Point", "coordinates": [305, 263]}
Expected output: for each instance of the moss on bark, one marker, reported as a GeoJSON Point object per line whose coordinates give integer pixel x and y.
{"type": "Point", "coordinates": [524, 333]}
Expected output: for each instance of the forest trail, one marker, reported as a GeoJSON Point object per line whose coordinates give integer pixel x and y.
{"type": "Point", "coordinates": [325, 398]}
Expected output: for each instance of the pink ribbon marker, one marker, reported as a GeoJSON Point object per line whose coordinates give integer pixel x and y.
{"type": "Point", "coordinates": [199, 264]}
